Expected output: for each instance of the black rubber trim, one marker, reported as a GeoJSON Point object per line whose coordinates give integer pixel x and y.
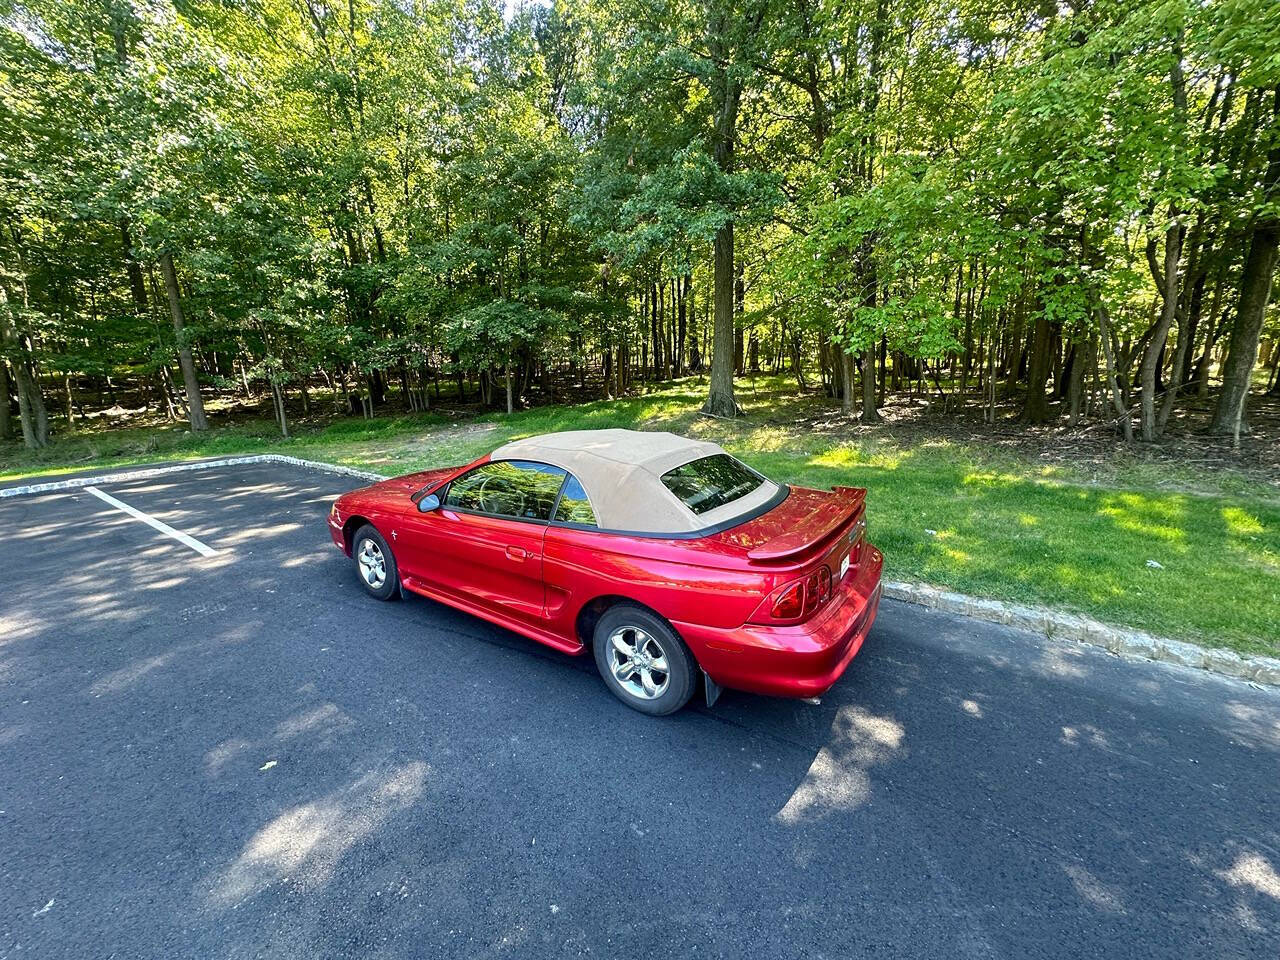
{"type": "Point", "coordinates": [784, 491]}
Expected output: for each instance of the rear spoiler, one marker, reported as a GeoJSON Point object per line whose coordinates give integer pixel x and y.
{"type": "Point", "coordinates": [815, 529]}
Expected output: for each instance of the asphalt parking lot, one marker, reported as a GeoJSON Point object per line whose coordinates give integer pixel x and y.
{"type": "Point", "coordinates": [241, 755]}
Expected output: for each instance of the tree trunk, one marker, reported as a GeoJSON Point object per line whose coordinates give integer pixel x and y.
{"type": "Point", "coordinates": [1255, 291]}
{"type": "Point", "coordinates": [720, 401]}
{"type": "Point", "coordinates": [195, 405]}
{"type": "Point", "coordinates": [1167, 278]}
{"type": "Point", "coordinates": [869, 412]}
{"type": "Point", "coordinates": [510, 403]}
{"type": "Point", "coordinates": [1117, 399]}
{"type": "Point", "coordinates": [31, 408]}
{"type": "Point", "coordinates": [846, 382]}
{"type": "Point", "coordinates": [277, 398]}
{"type": "Point", "coordinates": [1242, 349]}
{"type": "Point", "coordinates": [1179, 358]}
{"type": "Point", "coordinates": [137, 285]}
{"type": "Point", "coordinates": [1036, 408]}
{"type": "Point", "coordinates": [725, 88]}
{"type": "Point", "coordinates": [6, 419]}
{"type": "Point", "coordinates": [1075, 382]}
{"type": "Point", "coordinates": [682, 322]}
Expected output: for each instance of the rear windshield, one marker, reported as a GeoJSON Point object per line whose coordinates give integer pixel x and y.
{"type": "Point", "coordinates": [711, 482]}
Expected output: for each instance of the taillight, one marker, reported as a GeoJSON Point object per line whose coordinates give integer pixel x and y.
{"type": "Point", "coordinates": [811, 594]}
{"type": "Point", "coordinates": [796, 600]}
{"type": "Point", "coordinates": [790, 603]}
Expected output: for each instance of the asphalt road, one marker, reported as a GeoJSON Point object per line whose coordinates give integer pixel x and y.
{"type": "Point", "coordinates": [241, 755]}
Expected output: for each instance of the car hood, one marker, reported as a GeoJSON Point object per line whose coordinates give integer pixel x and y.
{"type": "Point", "coordinates": [397, 488]}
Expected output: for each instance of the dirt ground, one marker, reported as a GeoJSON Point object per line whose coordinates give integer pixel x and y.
{"type": "Point", "coordinates": [1097, 446]}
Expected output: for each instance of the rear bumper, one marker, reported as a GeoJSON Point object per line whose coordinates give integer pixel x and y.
{"type": "Point", "coordinates": [799, 661]}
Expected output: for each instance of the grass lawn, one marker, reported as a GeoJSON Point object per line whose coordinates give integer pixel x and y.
{"type": "Point", "coordinates": [966, 516]}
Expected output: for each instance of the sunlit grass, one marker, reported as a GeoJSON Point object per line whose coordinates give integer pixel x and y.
{"type": "Point", "coordinates": [960, 515]}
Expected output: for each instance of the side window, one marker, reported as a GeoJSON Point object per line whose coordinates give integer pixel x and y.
{"type": "Point", "coordinates": [508, 488]}
{"type": "Point", "coordinates": [574, 505]}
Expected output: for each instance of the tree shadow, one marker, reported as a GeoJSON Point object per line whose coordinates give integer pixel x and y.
{"type": "Point", "coordinates": [306, 772]}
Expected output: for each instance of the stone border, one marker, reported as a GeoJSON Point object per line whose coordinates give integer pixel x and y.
{"type": "Point", "coordinates": [1054, 624]}
{"type": "Point", "coordinates": [181, 467]}
{"type": "Point", "coordinates": [1132, 644]}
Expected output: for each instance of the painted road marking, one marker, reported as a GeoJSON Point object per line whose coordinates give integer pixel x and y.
{"type": "Point", "coordinates": [168, 531]}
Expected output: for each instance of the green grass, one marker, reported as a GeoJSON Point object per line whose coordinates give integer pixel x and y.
{"type": "Point", "coordinates": [963, 516]}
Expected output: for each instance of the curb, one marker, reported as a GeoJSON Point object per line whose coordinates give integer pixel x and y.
{"type": "Point", "coordinates": [1131, 644]}
{"type": "Point", "coordinates": [148, 472]}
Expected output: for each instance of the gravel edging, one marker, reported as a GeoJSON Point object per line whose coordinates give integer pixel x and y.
{"type": "Point", "coordinates": [1132, 644]}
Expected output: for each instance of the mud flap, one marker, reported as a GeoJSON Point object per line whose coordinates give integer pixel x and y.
{"type": "Point", "coordinates": [712, 689]}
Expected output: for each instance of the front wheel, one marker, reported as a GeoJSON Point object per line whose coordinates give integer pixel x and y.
{"type": "Point", "coordinates": [375, 563]}
{"type": "Point", "coordinates": [642, 661]}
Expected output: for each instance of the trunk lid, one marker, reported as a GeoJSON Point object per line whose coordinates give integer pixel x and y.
{"type": "Point", "coordinates": [805, 525]}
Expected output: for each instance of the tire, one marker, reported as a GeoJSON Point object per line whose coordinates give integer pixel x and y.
{"type": "Point", "coordinates": [375, 564]}
{"type": "Point", "coordinates": [648, 689]}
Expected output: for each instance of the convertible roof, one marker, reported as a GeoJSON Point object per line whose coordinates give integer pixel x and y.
{"type": "Point", "coordinates": [621, 471]}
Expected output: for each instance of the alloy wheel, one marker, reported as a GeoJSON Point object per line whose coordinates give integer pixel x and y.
{"type": "Point", "coordinates": [639, 663]}
{"type": "Point", "coordinates": [373, 565]}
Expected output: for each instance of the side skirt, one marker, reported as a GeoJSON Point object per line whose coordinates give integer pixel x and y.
{"type": "Point", "coordinates": [524, 629]}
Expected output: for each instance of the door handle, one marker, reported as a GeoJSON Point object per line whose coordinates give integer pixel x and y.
{"type": "Point", "coordinates": [517, 553]}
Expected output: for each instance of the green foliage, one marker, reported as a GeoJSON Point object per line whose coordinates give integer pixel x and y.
{"type": "Point", "coordinates": [384, 189]}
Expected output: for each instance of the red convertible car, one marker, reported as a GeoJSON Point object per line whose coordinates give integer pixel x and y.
{"type": "Point", "coordinates": [670, 560]}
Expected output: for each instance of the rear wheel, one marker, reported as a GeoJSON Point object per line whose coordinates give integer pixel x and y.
{"type": "Point", "coordinates": [642, 660]}
{"type": "Point", "coordinates": [375, 563]}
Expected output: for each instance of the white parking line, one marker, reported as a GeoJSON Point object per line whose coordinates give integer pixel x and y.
{"type": "Point", "coordinates": [192, 542]}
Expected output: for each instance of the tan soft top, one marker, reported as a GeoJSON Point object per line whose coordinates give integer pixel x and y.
{"type": "Point", "coordinates": [621, 472]}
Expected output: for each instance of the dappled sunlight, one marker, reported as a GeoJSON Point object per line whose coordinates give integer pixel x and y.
{"type": "Point", "coordinates": [249, 534]}
{"type": "Point", "coordinates": [1240, 523]}
{"type": "Point", "coordinates": [1059, 660]}
{"type": "Point", "coordinates": [1252, 871]}
{"type": "Point", "coordinates": [951, 553]}
{"type": "Point", "coordinates": [125, 677]}
{"type": "Point", "coordinates": [221, 755]}
{"type": "Point", "coordinates": [19, 625]}
{"type": "Point", "coordinates": [304, 845]}
{"type": "Point", "coordinates": [325, 719]}
{"type": "Point", "coordinates": [1161, 519]}
{"type": "Point", "coordinates": [1261, 727]}
{"type": "Point", "coordinates": [1083, 734]}
{"type": "Point", "coordinates": [1066, 574]}
{"type": "Point", "coordinates": [164, 584]}
{"type": "Point", "coordinates": [1103, 896]}
{"type": "Point", "coordinates": [767, 438]}
{"type": "Point", "coordinates": [838, 780]}
{"type": "Point", "coordinates": [845, 457]}
{"type": "Point", "coordinates": [990, 478]}
{"type": "Point", "coordinates": [306, 559]}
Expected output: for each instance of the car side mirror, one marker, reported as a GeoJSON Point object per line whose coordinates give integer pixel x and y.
{"type": "Point", "coordinates": [428, 503]}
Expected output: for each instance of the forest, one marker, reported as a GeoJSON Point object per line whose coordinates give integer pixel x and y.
{"type": "Point", "coordinates": [1032, 210]}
